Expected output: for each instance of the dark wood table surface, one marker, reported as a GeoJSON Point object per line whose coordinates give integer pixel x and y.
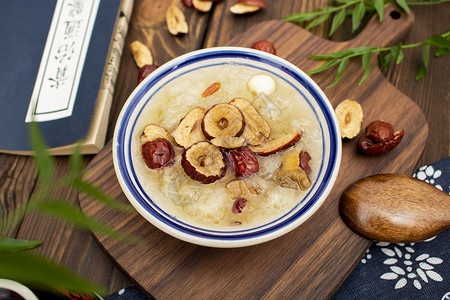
{"type": "Point", "coordinates": [77, 249]}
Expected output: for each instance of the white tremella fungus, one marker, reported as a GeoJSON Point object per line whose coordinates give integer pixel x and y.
{"type": "Point", "coordinates": [258, 84]}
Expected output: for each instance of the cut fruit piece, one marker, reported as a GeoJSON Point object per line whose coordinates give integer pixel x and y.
{"type": "Point", "coordinates": [240, 188]}
{"type": "Point", "coordinates": [158, 154]}
{"type": "Point", "coordinates": [349, 114]}
{"type": "Point", "coordinates": [189, 131]}
{"type": "Point", "coordinates": [223, 120]}
{"type": "Point", "coordinates": [228, 143]}
{"type": "Point", "coordinates": [176, 21]}
{"type": "Point", "coordinates": [202, 5]}
{"type": "Point", "coordinates": [241, 9]}
{"type": "Point", "coordinates": [243, 160]}
{"type": "Point", "coordinates": [204, 162]}
{"type": "Point", "coordinates": [277, 144]}
{"type": "Point", "coordinates": [152, 132]}
{"type": "Point", "coordinates": [290, 174]}
{"type": "Point", "coordinates": [256, 129]}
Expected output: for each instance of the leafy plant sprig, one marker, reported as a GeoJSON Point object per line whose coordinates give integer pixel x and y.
{"type": "Point", "coordinates": [33, 269]}
{"type": "Point", "coordinates": [356, 8]}
{"type": "Point", "coordinates": [341, 58]}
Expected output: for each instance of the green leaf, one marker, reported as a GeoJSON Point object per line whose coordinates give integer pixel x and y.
{"type": "Point", "coordinates": [403, 5]}
{"type": "Point", "coordinates": [76, 163]}
{"type": "Point", "coordinates": [36, 271]}
{"type": "Point", "coordinates": [10, 245]}
{"type": "Point", "coordinates": [379, 7]}
{"type": "Point", "coordinates": [441, 52]}
{"type": "Point", "coordinates": [340, 71]}
{"type": "Point", "coordinates": [438, 41]}
{"type": "Point", "coordinates": [400, 56]}
{"type": "Point", "coordinates": [424, 67]}
{"type": "Point", "coordinates": [358, 15]}
{"type": "Point", "coordinates": [332, 55]}
{"type": "Point", "coordinates": [337, 21]}
{"type": "Point", "coordinates": [366, 66]}
{"type": "Point", "coordinates": [73, 215]}
{"type": "Point", "coordinates": [42, 159]}
{"type": "Point", "coordinates": [318, 21]}
{"type": "Point", "coordinates": [385, 60]}
{"type": "Point", "coordinates": [98, 195]}
{"type": "Point", "coordinates": [323, 67]}
{"type": "Point", "coordinates": [301, 17]}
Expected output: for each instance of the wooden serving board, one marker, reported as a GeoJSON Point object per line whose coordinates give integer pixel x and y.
{"type": "Point", "coordinates": [312, 260]}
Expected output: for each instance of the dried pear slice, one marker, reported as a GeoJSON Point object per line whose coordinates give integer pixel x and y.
{"type": "Point", "coordinates": [277, 144]}
{"type": "Point", "coordinates": [152, 132]}
{"type": "Point", "coordinates": [189, 131]}
{"type": "Point", "coordinates": [256, 130]}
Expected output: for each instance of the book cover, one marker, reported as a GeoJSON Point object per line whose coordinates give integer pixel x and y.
{"type": "Point", "coordinates": [60, 60]}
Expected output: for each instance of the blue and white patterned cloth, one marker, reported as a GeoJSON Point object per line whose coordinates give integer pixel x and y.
{"type": "Point", "coordinates": [406, 270]}
{"type": "Point", "coordinates": [391, 270]}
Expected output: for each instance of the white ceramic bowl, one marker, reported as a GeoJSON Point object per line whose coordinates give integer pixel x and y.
{"type": "Point", "coordinates": [181, 229]}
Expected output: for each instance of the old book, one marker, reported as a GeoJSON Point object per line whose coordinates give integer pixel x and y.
{"type": "Point", "coordinates": [60, 60]}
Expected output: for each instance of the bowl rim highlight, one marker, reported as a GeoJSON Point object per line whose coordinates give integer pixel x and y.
{"type": "Point", "coordinates": [218, 238]}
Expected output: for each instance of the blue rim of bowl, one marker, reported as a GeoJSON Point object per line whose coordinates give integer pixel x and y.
{"type": "Point", "coordinates": [152, 212]}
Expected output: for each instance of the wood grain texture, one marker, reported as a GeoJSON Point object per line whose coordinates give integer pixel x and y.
{"type": "Point", "coordinates": [395, 208]}
{"type": "Point", "coordinates": [18, 178]}
{"type": "Point", "coordinates": [310, 261]}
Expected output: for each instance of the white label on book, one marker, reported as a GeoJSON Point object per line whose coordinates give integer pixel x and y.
{"type": "Point", "coordinates": [63, 59]}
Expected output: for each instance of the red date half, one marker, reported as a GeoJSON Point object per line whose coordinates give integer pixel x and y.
{"type": "Point", "coordinates": [238, 205]}
{"type": "Point", "coordinates": [158, 153]}
{"type": "Point", "coordinates": [243, 161]}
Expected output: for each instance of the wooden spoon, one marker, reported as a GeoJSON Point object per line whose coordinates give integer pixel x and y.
{"type": "Point", "coordinates": [395, 208]}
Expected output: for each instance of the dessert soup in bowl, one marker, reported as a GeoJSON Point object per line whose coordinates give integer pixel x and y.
{"type": "Point", "coordinates": [254, 147]}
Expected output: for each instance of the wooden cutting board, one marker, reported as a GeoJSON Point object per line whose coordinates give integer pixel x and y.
{"type": "Point", "coordinates": [313, 260]}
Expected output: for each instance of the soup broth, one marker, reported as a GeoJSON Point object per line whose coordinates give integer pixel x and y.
{"type": "Point", "coordinates": [195, 203]}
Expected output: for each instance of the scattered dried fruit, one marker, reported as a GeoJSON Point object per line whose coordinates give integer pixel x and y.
{"type": "Point", "coordinates": [187, 3]}
{"type": "Point", "coordinates": [265, 46]}
{"type": "Point", "coordinates": [158, 153]}
{"type": "Point", "coordinates": [277, 144]}
{"type": "Point", "coordinates": [243, 160]}
{"type": "Point", "coordinates": [238, 205]}
{"type": "Point", "coordinates": [261, 84]}
{"type": "Point", "coordinates": [152, 132]}
{"type": "Point", "coordinates": [241, 8]}
{"type": "Point", "coordinates": [259, 3]}
{"type": "Point", "coordinates": [290, 174]}
{"type": "Point", "coordinates": [211, 89]}
{"type": "Point", "coordinates": [175, 20]}
{"type": "Point", "coordinates": [229, 142]}
{"type": "Point", "coordinates": [379, 131]}
{"type": "Point", "coordinates": [349, 114]}
{"type": "Point", "coordinates": [224, 120]}
{"type": "Point", "coordinates": [145, 71]}
{"type": "Point", "coordinates": [240, 188]}
{"type": "Point", "coordinates": [256, 129]}
{"type": "Point", "coordinates": [189, 130]}
{"type": "Point", "coordinates": [202, 5]}
{"type": "Point", "coordinates": [379, 138]}
{"type": "Point", "coordinates": [203, 162]}
{"type": "Point", "coordinates": [141, 54]}
{"type": "Point", "coordinates": [304, 159]}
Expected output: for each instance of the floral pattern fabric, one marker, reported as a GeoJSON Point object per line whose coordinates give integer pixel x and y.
{"type": "Point", "coordinates": [406, 270]}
